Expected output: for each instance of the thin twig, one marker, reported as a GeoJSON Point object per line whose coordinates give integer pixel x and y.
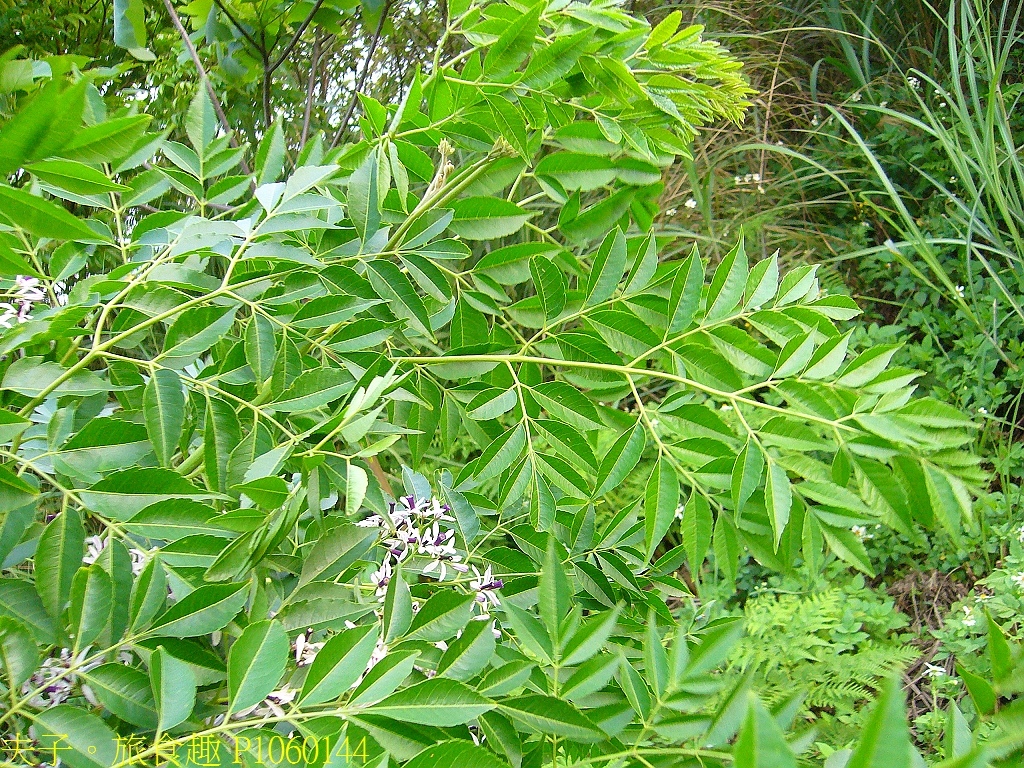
{"type": "Point", "coordinates": [310, 88]}
{"type": "Point", "coordinates": [295, 38]}
{"type": "Point", "coordinates": [206, 80]}
{"type": "Point", "coordinates": [240, 28]}
{"type": "Point", "coordinates": [361, 81]}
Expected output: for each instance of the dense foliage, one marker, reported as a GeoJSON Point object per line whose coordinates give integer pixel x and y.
{"type": "Point", "coordinates": [396, 429]}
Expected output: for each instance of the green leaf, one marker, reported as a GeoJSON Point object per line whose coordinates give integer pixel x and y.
{"type": "Point", "coordinates": [267, 492]}
{"type": "Point", "coordinates": [440, 702]}
{"type": "Point", "coordinates": [332, 554]}
{"type": "Point", "coordinates": [130, 27]}
{"type": "Point", "coordinates": [578, 171]}
{"type": "Point", "coordinates": [761, 743]}
{"type": "Point", "coordinates": [550, 715]}
{"type": "Point", "coordinates": [363, 198]}
{"type": "Point", "coordinates": [397, 615]}
{"type": "Point", "coordinates": [201, 124]}
{"type": "Point", "coordinates": [696, 531]}
{"type": "Point", "coordinates": [549, 283]}
{"type": "Point", "coordinates": [448, 754]}
{"type": "Point", "coordinates": [685, 296]}
{"type": "Point", "coordinates": [207, 609]}
{"type": "Point", "coordinates": [514, 44]}
{"type": "Point", "coordinates": [125, 691]}
{"type": "Point", "coordinates": [221, 434]}
{"type": "Point", "coordinates": [18, 652]}
{"type": "Point", "coordinates": [778, 498]}
{"type": "Point", "coordinates": [727, 285]}
{"type": "Point", "coordinates": [501, 453]}
{"type": "Point", "coordinates": [313, 389]}
{"type": "Point", "coordinates": [260, 347]}
{"type": "Point", "coordinates": [746, 475]}
{"type": "Point", "coordinates": [19, 601]}
{"type": "Point", "coordinates": [338, 664]}
{"type": "Point", "coordinates": [606, 271]}
{"type": "Point", "coordinates": [394, 286]}
{"type": "Point", "coordinates": [386, 675]}
{"type": "Point", "coordinates": [591, 636]}
{"type": "Point", "coordinates": [885, 740]}
{"type": "Point", "coordinates": [81, 739]}
{"type": "Point", "coordinates": [487, 218]}
{"type": "Point", "coordinates": [444, 614]}
{"type": "Point", "coordinates": [106, 141]}
{"type": "Point", "coordinates": [91, 599]}
{"type": "Point", "coordinates": [149, 593]}
{"type": "Point", "coordinates": [660, 501]}
{"type": "Point", "coordinates": [73, 176]}
{"type": "Point", "coordinates": [163, 405]}
{"type": "Point", "coordinates": [621, 458]}
{"type": "Point", "coordinates": [122, 495]}
{"type": "Point", "coordinates": [194, 332]}
{"type": "Point", "coordinates": [58, 558]}
{"type": "Point", "coordinates": [553, 593]}
{"type": "Point", "coordinates": [42, 218]}
{"type": "Point", "coordinates": [470, 653]}
{"type": "Point", "coordinates": [174, 688]}
{"type": "Point", "coordinates": [255, 664]}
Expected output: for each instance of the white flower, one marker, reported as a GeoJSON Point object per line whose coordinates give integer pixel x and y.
{"type": "Point", "coordinates": [1020, 534]}
{"type": "Point", "coordinates": [1018, 579]}
{"type": "Point", "coordinates": [861, 532]}
{"type": "Point", "coordinates": [726, 407]}
{"type": "Point", "coordinates": [914, 83]}
{"type": "Point", "coordinates": [856, 97]}
{"type": "Point", "coordinates": [305, 651]}
{"type": "Point", "coordinates": [680, 510]}
{"type": "Point", "coordinates": [55, 679]}
{"type": "Point", "coordinates": [381, 577]}
{"type": "Point", "coordinates": [884, 104]}
{"type": "Point", "coordinates": [737, 180]}
{"type": "Point", "coordinates": [815, 121]}
{"type": "Point", "coordinates": [755, 176]}
{"type": "Point", "coordinates": [943, 104]}
{"type": "Point", "coordinates": [94, 546]}
{"type": "Point", "coordinates": [983, 411]}
{"type": "Point", "coordinates": [934, 670]}
{"type": "Point", "coordinates": [671, 212]}
{"type": "Point", "coordinates": [960, 291]}
{"type": "Point", "coordinates": [485, 586]}
{"type": "Point", "coordinates": [691, 203]}
{"type": "Point", "coordinates": [969, 620]}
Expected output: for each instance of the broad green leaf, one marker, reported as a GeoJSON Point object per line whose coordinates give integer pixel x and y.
{"type": "Point", "coordinates": [73, 176]}
{"type": "Point", "coordinates": [149, 593]}
{"type": "Point", "coordinates": [448, 754]}
{"type": "Point", "coordinates": [126, 692]}
{"type": "Point", "coordinates": [363, 198]}
{"type": "Point", "coordinates": [91, 599]}
{"type": "Point", "coordinates": [385, 676]}
{"type": "Point", "coordinates": [549, 283]}
{"type": "Point", "coordinates": [487, 218]}
{"type": "Point", "coordinates": [514, 44]}
{"type": "Point", "coordinates": [884, 740]}
{"type": "Point", "coordinates": [778, 498]}
{"type": "Point", "coordinates": [444, 614]}
{"type": "Point", "coordinates": [761, 743]}
{"type": "Point", "coordinates": [18, 652]}
{"type": "Point", "coordinates": [553, 593]}
{"type": "Point", "coordinates": [193, 332]}
{"type": "Point", "coordinates": [260, 347]}
{"type": "Point", "coordinates": [440, 702]}
{"type": "Point", "coordinates": [394, 286]}
{"type": "Point", "coordinates": [501, 453]}
{"type": "Point", "coordinates": [607, 269]}
{"type": "Point", "coordinates": [314, 389]}
{"type": "Point", "coordinates": [42, 218]}
{"type": "Point", "coordinates": [727, 285]}
{"type": "Point", "coordinates": [591, 636]}
{"type": "Point", "coordinates": [470, 653]}
{"type": "Point", "coordinates": [397, 615]}
{"type": "Point", "coordinates": [19, 601]}
{"type": "Point", "coordinates": [174, 688]}
{"type": "Point", "coordinates": [621, 458]}
{"type": "Point", "coordinates": [685, 296]}
{"type": "Point", "coordinates": [122, 495]}
{"type": "Point", "coordinates": [551, 715]}
{"type": "Point", "coordinates": [207, 609]}
{"type": "Point", "coordinates": [163, 404]}
{"type": "Point", "coordinates": [332, 554]}
{"type": "Point", "coordinates": [338, 664]}
{"type": "Point", "coordinates": [660, 501]}
{"type": "Point", "coordinates": [255, 664]}
{"type": "Point", "coordinates": [130, 28]}
{"type": "Point", "coordinates": [201, 124]}
{"type": "Point", "coordinates": [696, 529]}
{"type": "Point", "coordinates": [81, 739]}
{"type": "Point", "coordinates": [58, 558]}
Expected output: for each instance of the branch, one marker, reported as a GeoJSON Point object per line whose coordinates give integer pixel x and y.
{"type": "Point", "coordinates": [310, 88]}
{"type": "Point", "coordinates": [221, 117]}
{"type": "Point", "coordinates": [361, 81]}
{"type": "Point", "coordinates": [240, 28]}
{"type": "Point", "coordinates": [295, 38]}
